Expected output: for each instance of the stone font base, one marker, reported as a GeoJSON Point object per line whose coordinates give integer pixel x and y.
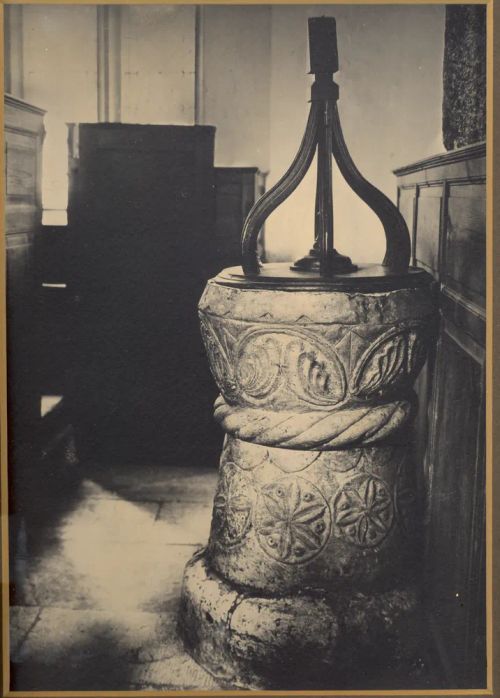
{"type": "Point", "coordinates": [310, 577]}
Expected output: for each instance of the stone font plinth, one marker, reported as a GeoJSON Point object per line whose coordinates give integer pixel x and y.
{"type": "Point", "coordinates": [311, 569]}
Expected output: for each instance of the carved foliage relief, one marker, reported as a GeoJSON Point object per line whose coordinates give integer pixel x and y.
{"type": "Point", "coordinates": [277, 365]}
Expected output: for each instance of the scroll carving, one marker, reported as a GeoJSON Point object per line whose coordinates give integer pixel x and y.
{"type": "Point", "coordinates": [273, 366]}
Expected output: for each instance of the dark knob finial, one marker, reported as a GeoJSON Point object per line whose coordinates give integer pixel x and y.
{"type": "Point", "coordinates": [323, 45]}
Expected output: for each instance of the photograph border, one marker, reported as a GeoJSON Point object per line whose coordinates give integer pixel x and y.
{"type": "Point", "coordinates": [492, 384]}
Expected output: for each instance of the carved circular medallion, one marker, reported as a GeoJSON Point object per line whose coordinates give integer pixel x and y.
{"type": "Point", "coordinates": [231, 516]}
{"type": "Point", "coordinates": [315, 373]}
{"type": "Point", "coordinates": [290, 362]}
{"type": "Point", "coordinates": [258, 367]}
{"type": "Point", "coordinates": [292, 520]}
{"type": "Point", "coordinates": [364, 510]}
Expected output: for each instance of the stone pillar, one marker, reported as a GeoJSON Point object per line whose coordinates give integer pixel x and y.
{"type": "Point", "coordinates": [311, 569]}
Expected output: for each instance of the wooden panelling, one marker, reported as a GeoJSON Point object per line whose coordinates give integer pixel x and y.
{"type": "Point", "coordinates": [23, 143]}
{"type": "Point", "coordinates": [21, 169]}
{"type": "Point", "coordinates": [449, 240]}
{"type": "Point", "coordinates": [428, 221]}
{"type": "Point", "coordinates": [466, 164]}
{"type": "Point", "coordinates": [454, 474]}
{"type": "Point", "coordinates": [467, 317]}
{"type": "Point", "coordinates": [24, 133]}
{"type": "Point", "coordinates": [21, 218]}
{"type": "Point", "coordinates": [40, 443]}
{"type": "Point", "coordinates": [465, 261]}
{"type": "Point", "coordinates": [407, 205]}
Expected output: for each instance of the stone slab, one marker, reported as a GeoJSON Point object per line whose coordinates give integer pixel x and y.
{"type": "Point", "coordinates": [21, 621]}
{"type": "Point", "coordinates": [96, 650]}
{"type": "Point", "coordinates": [126, 577]}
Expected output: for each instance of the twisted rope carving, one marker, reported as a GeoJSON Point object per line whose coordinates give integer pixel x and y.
{"type": "Point", "coordinates": [317, 430]}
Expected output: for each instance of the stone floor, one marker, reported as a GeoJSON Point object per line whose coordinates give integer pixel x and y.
{"type": "Point", "coordinates": [100, 556]}
{"type": "Point", "coordinates": [100, 552]}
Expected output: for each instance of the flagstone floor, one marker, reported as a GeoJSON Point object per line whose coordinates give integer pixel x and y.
{"type": "Point", "coordinates": [96, 579]}
{"type": "Point", "coordinates": [100, 557]}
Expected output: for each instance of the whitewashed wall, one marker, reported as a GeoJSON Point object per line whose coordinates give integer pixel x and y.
{"type": "Point", "coordinates": [390, 82]}
{"type": "Point", "coordinates": [157, 64]}
{"type": "Point", "coordinates": [59, 71]}
{"type": "Point", "coordinates": [237, 82]}
{"type": "Point", "coordinates": [252, 84]}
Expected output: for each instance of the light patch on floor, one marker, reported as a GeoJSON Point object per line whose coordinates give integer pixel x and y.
{"type": "Point", "coordinates": [99, 591]}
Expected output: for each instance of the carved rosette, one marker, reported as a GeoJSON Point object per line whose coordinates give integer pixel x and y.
{"type": "Point", "coordinates": [364, 510]}
{"type": "Point", "coordinates": [286, 519]}
{"type": "Point", "coordinates": [292, 520]}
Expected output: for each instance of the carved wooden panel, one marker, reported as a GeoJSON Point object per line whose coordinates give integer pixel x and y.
{"type": "Point", "coordinates": [21, 166]}
{"type": "Point", "coordinates": [449, 239]}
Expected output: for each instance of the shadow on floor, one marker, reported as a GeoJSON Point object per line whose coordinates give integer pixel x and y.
{"type": "Point", "coordinates": [97, 571]}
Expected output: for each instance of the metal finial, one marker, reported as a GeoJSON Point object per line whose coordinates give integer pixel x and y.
{"type": "Point", "coordinates": [324, 134]}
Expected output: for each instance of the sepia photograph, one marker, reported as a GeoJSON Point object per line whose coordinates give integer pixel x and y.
{"type": "Point", "coordinates": [244, 420]}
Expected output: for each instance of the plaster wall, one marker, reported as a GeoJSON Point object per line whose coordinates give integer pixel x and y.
{"type": "Point", "coordinates": [236, 79]}
{"type": "Point", "coordinates": [244, 69]}
{"type": "Point", "coordinates": [157, 64]}
{"type": "Point", "coordinates": [390, 82]}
